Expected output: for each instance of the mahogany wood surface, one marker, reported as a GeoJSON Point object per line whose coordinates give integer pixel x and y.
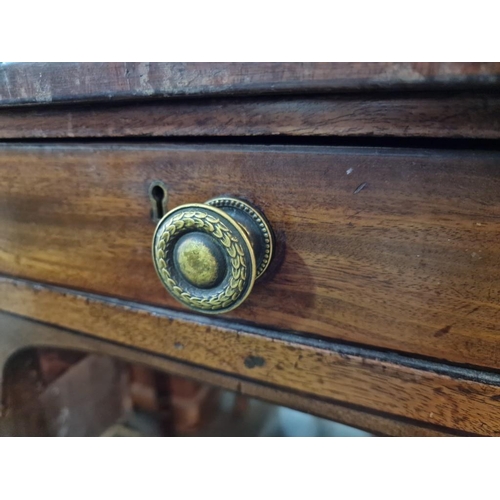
{"type": "Point", "coordinates": [18, 335]}
{"type": "Point", "coordinates": [382, 307]}
{"type": "Point", "coordinates": [461, 400]}
{"type": "Point", "coordinates": [445, 115]}
{"type": "Point", "coordinates": [396, 249]}
{"type": "Point", "coordinates": [35, 83]}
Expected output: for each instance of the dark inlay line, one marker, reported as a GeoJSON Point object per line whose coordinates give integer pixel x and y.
{"type": "Point", "coordinates": [299, 338]}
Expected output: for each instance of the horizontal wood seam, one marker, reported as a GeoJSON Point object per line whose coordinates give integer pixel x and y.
{"type": "Point", "coordinates": [242, 380]}
{"type": "Point", "coordinates": [346, 349]}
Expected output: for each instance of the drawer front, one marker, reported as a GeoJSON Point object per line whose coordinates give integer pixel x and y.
{"type": "Point", "coordinates": [389, 248]}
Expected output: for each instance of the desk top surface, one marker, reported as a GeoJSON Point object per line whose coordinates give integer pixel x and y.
{"type": "Point", "coordinates": [44, 83]}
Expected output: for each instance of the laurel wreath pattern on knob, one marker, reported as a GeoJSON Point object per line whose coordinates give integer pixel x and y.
{"type": "Point", "coordinates": [183, 222]}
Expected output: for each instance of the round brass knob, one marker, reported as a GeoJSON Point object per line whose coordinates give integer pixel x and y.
{"type": "Point", "coordinates": [209, 255]}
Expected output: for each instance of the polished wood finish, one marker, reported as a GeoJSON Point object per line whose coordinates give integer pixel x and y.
{"type": "Point", "coordinates": [35, 83]}
{"type": "Point", "coordinates": [390, 248]}
{"type": "Point", "coordinates": [381, 308]}
{"type": "Point", "coordinates": [446, 115]}
{"type": "Point", "coordinates": [19, 335]}
{"type": "Point", "coordinates": [458, 400]}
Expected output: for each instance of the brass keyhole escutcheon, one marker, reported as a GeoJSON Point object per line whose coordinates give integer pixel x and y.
{"type": "Point", "coordinates": [209, 255]}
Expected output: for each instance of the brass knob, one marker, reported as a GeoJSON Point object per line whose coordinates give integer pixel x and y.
{"type": "Point", "coordinates": [209, 255]}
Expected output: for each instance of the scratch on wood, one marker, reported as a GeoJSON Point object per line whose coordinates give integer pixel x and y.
{"type": "Point", "coordinates": [361, 187]}
{"type": "Point", "coordinates": [7, 83]}
{"type": "Point", "coordinates": [443, 331]}
{"type": "Point", "coordinates": [473, 310]}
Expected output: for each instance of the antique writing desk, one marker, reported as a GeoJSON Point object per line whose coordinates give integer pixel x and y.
{"type": "Point", "coordinates": [323, 236]}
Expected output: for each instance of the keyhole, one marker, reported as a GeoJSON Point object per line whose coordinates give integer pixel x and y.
{"type": "Point", "coordinates": [158, 197]}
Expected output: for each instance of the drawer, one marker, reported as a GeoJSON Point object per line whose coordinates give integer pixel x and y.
{"type": "Point", "coordinates": [397, 249]}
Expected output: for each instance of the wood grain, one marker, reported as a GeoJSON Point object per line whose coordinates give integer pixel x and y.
{"type": "Point", "coordinates": [390, 248]}
{"type": "Point", "coordinates": [463, 404]}
{"type": "Point", "coordinates": [449, 115]}
{"type": "Point", "coordinates": [35, 83]}
{"type": "Point", "coordinates": [18, 335]}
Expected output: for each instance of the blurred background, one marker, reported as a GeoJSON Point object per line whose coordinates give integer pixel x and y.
{"type": "Point", "coordinates": [52, 392]}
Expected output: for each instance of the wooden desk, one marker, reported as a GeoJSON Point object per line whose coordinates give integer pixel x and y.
{"type": "Point", "coordinates": [380, 181]}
